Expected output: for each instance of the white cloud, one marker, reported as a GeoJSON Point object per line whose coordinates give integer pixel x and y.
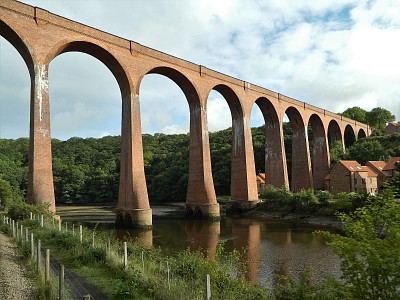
{"type": "Point", "coordinates": [332, 54]}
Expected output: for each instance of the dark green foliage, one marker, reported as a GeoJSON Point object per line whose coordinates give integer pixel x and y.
{"type": "Point", "coordinates": [376, 118]}
{"type": "Point", "coordinates": [370, 249]}
{"type": "Point", "coordinates": [365, 150]}
{"type": "Point", "coordinates": [20, 210]}
{"type": "Point", "coordinates": [309, 201]}
{"type": "Point", "coordinates": [288, 288]}
{"type": "Point", "coordinates": [356, 113]}
{"type": "Point", "coordinates": [374, 148]}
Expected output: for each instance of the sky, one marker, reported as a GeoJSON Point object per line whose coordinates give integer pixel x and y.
{"type": "Point", "coordinates": [333, 54]}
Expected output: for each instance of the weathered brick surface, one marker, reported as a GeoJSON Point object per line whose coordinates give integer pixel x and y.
{"type": "Point", "coordinates": [40, 36]}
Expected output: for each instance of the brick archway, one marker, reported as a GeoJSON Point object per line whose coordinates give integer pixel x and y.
{"type": "Point", "coordinates": [14, 38]}
{"type": "Point", "coordinates": [243, 178]}
{"type": "Point", "coordinates": [275, 164]}
{"type": "Point", "coordinates": [301, 175]}
{"type": "Point", "coordinates": [320, 156]}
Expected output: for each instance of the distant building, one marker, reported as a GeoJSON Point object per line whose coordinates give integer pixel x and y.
{"type": "Point", "coordinates": [260, 181]}
{"type": "Point", "coordinates": [391, 165]}
{"type": "Point", "coordinates": [392, 128]}
{"type": "Point", "coordinates": [349, 176]}
{"type": "Point", "coordinates": [378, 167]}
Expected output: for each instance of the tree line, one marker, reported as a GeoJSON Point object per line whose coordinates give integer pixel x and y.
{"type": "Point", "coordinates": [86, 170]}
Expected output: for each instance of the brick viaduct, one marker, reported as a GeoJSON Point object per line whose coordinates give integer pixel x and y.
{"type": "Point", "coordinates": [40, 36]}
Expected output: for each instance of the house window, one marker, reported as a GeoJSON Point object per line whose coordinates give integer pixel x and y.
{"type": "Point", "coordinates": [363, 180]}
{"type": "Point", "coordinates": [355, 180]}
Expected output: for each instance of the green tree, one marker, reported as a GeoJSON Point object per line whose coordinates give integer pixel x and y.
{"type": "Point", "coordinates": [5, 193]}
{"type": "Point", "coordinates": [336, 152]}
{"type": "Point", "coordinates": [366, 150]}
{"type": "Point", "coordinates": [370, 249]}
{"type": "Point", "coordinates": [378, 117]}
{"type": "Point", "coordinates": [356, 113]}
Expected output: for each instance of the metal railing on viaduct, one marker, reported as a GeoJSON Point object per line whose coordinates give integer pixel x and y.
{"type": "Point", "coordinates": [40, 36]}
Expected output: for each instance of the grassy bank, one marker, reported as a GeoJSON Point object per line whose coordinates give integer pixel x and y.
{"type": "Point", "coordinates": [150, 274]}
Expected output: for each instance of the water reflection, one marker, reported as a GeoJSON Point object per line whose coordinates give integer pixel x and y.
{"type": "Point", "coordinates": [268, 248]}
{"type": "Point", "coordinates": [203, 236]}
{"type": "Point", "coordinates": [247, 240]}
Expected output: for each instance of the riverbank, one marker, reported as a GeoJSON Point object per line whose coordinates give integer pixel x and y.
{"type": "Point", "coordinates": [314, 220]}
{"type": "Point", "coordinates": [106, 214]}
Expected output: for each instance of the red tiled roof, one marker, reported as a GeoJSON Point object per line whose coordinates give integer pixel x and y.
{"type": "Point", "coordinates": [371, 172]}
{"type": "Point", "coordinates": [378, 166]}
{"type": "Point", "coordinates": [390, 165]}
{"type": "Point", "coordinates": [351, 165]}
{"type": "Point", "coordinates": [261, 178]}
{"type": "Point", "coordinates": [397, 124]}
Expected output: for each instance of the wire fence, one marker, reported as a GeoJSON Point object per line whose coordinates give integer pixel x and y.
{"type": "Point", "coordinates": [74, 286]}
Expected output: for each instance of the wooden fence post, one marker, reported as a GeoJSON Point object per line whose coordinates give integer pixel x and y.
{"type": "Point", "coordinates": [125, 256]}
{"type": "Point", "coordinates": [208, 288]}
{"type": "Point", "coordinates": [61, 283]}
{"type": "Point", "coordinates": [38, 256]}
{"type": "Point", "coordinates": [47, 266]}
{"type": "Point", "coordinates": [80, 233]}
{"type": "Point", "coordinates": [32, 247]}
{"type": "Point", "coordinates": [59, 225]}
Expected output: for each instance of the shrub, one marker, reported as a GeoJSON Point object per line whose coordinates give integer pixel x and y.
{"type": "Point", "coordinates": [343, 203]}
{"type": "Point", "coordinates": [324, 197]}
{"type": "Point", "coordinates": [370, 249]}
{"type": "Point", "coordinates": [305, 199]}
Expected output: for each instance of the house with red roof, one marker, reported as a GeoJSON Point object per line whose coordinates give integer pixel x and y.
{"type": "Point", "coordinates": [378, 167]}
{"type": "Point", "coordinates": [349, 176]}
{"type": "Point", "coordinates": [260, 181]}
{"type": "Point", "coordinates": [392, 128]}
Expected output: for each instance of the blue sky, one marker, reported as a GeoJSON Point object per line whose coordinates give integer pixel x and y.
{"type": "Point", "coordinates": [331, 54]}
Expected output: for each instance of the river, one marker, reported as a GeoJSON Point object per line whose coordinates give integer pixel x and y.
{"type": "Point", "coordinates": [268, 247]}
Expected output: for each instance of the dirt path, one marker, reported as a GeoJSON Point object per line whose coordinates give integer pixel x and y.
{"type": "Point", "coordinates": [13, 283]}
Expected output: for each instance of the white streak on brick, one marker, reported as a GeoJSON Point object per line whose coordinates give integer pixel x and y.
{"type": "Point", "coordinates": [42, 87]}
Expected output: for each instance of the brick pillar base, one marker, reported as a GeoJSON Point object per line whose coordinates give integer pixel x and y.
{"type": "Point", "coordinates": [202, 210]}
{"type": "Point", "coordinates": [134, 218]}
{"type": "Point", "coordinates": [240, 206]}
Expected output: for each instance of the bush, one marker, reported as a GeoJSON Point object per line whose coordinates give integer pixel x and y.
{"type": "Point", "coordinates": [370, 249]}
{"type": "Point", "coordinates": [22, 210]}
{"type": "Point", "coordinates": [305, 199]}
{"type": "Point", "coordinates": [276, 195]}
{"type": "Point", "coordinates": [343, 203]}
{"type": "Point", "coordinates": [324, 197]}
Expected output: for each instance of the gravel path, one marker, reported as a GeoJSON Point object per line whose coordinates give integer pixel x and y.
{"type": "Point", "coordinates": [13, 283]}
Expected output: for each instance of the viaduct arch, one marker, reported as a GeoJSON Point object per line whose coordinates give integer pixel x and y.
{"type": "Point", "coordinates": [39, 36]}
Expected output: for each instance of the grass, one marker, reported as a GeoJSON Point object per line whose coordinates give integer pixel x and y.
{"type": "Point", "coordinates": [146, 276]}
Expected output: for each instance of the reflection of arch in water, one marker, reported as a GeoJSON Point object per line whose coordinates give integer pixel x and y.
{"type": "Point", "coordinates": [204, 236]}
{"type": "Point", "coordinates": [247, 238]}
